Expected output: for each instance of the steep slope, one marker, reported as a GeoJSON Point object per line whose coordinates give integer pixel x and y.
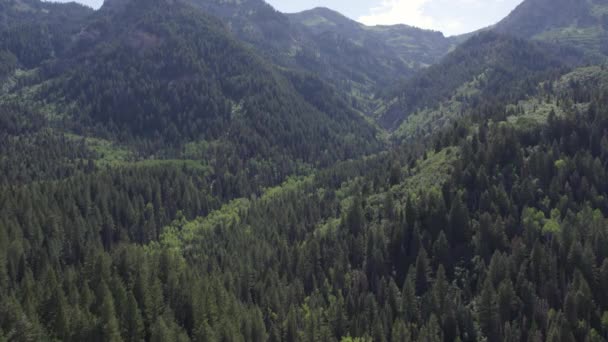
{"type": "Point", "coordinates": [164, 72]}
{"type": "Point", "coordinates": [358, 65]}
{"type": "Point", "coordinates": [33, 31]}
{"type": "Point", "coordinates": [493, 227]}
{"type": "Point", "coordinates": [489, 65]}
{"type": "Point", "coordinates": [414, 47]}
{"type": "Point", "coordinates": [580, 23]}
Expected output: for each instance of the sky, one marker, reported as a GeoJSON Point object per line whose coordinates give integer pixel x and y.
{"type": "Point", "coordinates": [448, 16]}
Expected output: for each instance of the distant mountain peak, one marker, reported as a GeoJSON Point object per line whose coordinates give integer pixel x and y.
{"type": "Point", "coordinates": [325, 11]}
{"type": "Point", "coordinates": [323, 18]}
{"type": "Point", "coordinates": [121, 4]}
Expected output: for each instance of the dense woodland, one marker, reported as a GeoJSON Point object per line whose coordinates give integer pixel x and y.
{"type": "Point", "coordinates": [507, 69]}
{"type": "Point", "coordinates": [162, 181]}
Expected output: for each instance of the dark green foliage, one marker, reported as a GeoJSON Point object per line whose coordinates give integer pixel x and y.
{"type": "Point", "coordinates": [172, 75]}
{"type": "Point", "coordinates": [8, 63]}
{"type": "Point", "coordinates": [36, 31]}
{"type": "Point", "coordinates": [356, 59]}
{"type": "Point", "coordinates": [506, 69]}
{"type": "Point", "coordinates": [507, 241]}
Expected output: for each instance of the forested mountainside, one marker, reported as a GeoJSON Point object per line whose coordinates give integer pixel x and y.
{"type": "Point", "coordinates": [415, 47]}
{"type": "Point", "coordinates": [32, 31]}
{"type": "Point", "coordinates": [164, 74]}
{"type": "Point", "coordinates": [356, 59]}
{"type": "Point", "coordinates": [488, 68]}
{"type": "Point", "coordinates": [580, 23]}
{"type": "Point", "coordinates": [161, 179]}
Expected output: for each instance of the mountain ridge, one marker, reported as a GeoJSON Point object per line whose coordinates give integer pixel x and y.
{"type": "Point", "coordinates": [173, 173]}
{"type": "Point", "coordinates": [501, 61]}
{"type": "Point", "coordinates": [200, 84]}
{"type": "Point", "coordinates": [579, 23]}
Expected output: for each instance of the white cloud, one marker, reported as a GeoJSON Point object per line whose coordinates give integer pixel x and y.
{"type": "Point", "coordinates": [392, 12]}
{"type": "Point", "coordinates": [448, 16]}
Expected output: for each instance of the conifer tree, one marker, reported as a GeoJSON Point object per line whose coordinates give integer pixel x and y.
{"type": "Point", "coordinates": [109, 328]}
{"type": "Point", "coordinates": [487, 312]}
{"type": "Point", "coordinates": [134, 324]}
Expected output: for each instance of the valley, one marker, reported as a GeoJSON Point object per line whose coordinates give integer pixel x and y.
{"type": "Point", "coordinates": [216, 170]}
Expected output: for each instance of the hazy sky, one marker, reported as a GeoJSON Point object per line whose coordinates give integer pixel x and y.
{"type": "Point", "coordinates": [448, 16]}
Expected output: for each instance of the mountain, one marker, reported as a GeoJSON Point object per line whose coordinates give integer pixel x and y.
{"type": "Point", "coordinates": [355, 59]}
{"type": "Point", "coordinates": [32, 31]}
{"type": "Point", "coordinates": [488, 65]}
{"type": "Point", "coordinates": [165, 71]}
{"type": "Point", "coordinates": [415, 47]}
{"type": "Point", "coordinates": [579, 23]}
{"type": "Point", "coordinates": [165, 178]}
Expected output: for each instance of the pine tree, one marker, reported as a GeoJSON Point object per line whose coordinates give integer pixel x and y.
{"type": "Point", "coordinates": [441, 252]}
{"type": "Point", "coordinates": [487, 312]}
{"type": "Point", "coordinates": [431, 331]}
{"type": "Point", "coordinates": [61, 321]}
{"type": "Point", "coordinates": [605, 324]}
{"type": "Point", "coordinates": [354, 218]}
{"type": "Point", "coordinates": [423, 271]}
{"type": "Point", "coordinates": [291, 326]}
{"type": "Point", "coordinates": [459, 222]}
{"type": "Point", "coordinates": [258, 331]}
{"type": "Point", "coordinates": [4, 279]}
{"type": "Point", "coordinates": [204, 333]}
{"type": "Point", "coordinates": [408, 294]}
{"type": "Point", "coordinates": [559, 329]}
{"type": "Point", "coordinates": [160, 332]}
{"type": "Point", "coordinates": [108, 325]}
{"type": "Point", "coordinates": [134, 324]}
{"type": "Point", "coordinates": [604, 282]}
{"type": "Point", "coordinates": [441, 291]}
{"type": "Point", "coordinates": [507, 301]}
{"type": "Point", "coordinates": [400, 332]}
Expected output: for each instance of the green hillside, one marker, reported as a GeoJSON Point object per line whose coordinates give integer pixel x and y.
{"type": "Point", "coordinates": [489, 66]}
{"type": "Point", "coordinates": [355, 59]}
{"type": "Point", "coordinates": [32, 31]}
{"type": "Point", "coordinates": [415, 47]}
{"type": "Point", "coordinates": [144, 76]}
{"type": "Point", "coordinates": [579, 23]}
{"type": "Point", "coordinates": [203, 170]}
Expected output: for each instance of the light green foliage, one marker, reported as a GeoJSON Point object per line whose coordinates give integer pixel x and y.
{"type": "Point", "coordinates": [536, 220]}
{"type": "Point", "coordinates": [426, 121]}
{"type": "Point", "coordinates": [552, 225]}
{"type": "Point", "coordinates": [431, 172]}
{"type": "Point", "coordinates": [108, 153]}
{"type": "Point", "coordinates": [292, 185]}
{"type": "Point", "coordinates": [594, 74]}
{"type": "Point", "coordinates": [590, 38]}
{"type": "Point", "coordinates": [560, 164]}
{"type": "Point", "coordinates": [533, 218]}
{"type": "Point", "coordinates": [533, 112]}
{"type": "Point", "coordinates": [181, 232]}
